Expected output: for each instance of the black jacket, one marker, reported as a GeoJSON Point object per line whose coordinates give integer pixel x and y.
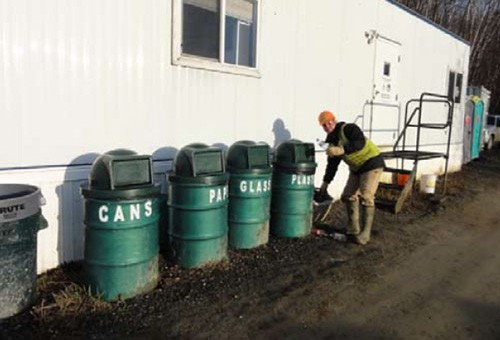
{"type": "Point", "coordinates": [356, 141]}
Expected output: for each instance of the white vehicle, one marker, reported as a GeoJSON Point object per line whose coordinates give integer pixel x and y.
{"type": "Point", "coordinates": [491, 131]}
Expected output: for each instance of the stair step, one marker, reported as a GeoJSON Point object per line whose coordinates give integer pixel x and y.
{"type": "Point", "coordinates": [412, 154]}
{"type": "Point", "coordinates": [391, 186]}
{"type": "Point", "coordinates": [430, 126]}
{"type": "Point", "coordinates": [385, 205]}
{"type": "Point", "coordinates": [398, 171]}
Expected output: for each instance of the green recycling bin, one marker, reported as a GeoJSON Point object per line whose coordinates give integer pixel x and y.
{"type": "Point", "coordinates": [249, 194]}
{"type": "Point", "coordinates": [163, 226]}
{"type": "Point", "coordinates": [197, 201]}
{"type": "Point", "coordinates": [122, 213]}
{"type": "Point", "coordinates": [293, 189]}
{"type": "Point", "coordinates": [20, 221]}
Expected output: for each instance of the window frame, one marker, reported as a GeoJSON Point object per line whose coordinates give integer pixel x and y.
{"type": "Point", "coordinates": [219, 65]}
{"type": "Point", "coordinates": [455, 75]}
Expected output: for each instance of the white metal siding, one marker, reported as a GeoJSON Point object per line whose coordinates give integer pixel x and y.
{"type": "Point", "coordinates": [78, 78]}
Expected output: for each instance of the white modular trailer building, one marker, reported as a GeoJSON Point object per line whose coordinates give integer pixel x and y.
{"type": "Point", "coordinates": [82, 77]}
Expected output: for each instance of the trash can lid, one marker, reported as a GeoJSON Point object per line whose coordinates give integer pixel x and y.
{"type": "Point", "coordinates": [295, 156]}
{"type": "Point", "coordinates": [248, 157]}
{"type": "Point", "coordinates": [18, 201]}
{"type": "Point", "coordinates": [121, 194]}
{"type": "Point", "coordinates": [199, 163]}
{"type": "Point", "coordinates": [121, 169]}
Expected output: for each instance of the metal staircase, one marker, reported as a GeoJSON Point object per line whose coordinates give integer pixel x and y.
{"type": "Point", "coordinates": [414, 153]}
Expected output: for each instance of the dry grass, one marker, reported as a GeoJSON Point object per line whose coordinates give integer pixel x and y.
{"type": "Point", "coordinates": [71, 300]}
{"type": "Point", "coordinates": [61, 295]}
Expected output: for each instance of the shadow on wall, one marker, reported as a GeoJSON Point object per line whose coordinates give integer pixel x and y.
{"type": "Point", "coordinates": [223, 146]}
{"type": "Point", "coordinates": [164, 154]}
{"type": "Point", "coordinates": [70, 217]}
{"type": "Point", "coordinates": [163, 161]}
{"type": "Point", "coordinates": [281, 133]}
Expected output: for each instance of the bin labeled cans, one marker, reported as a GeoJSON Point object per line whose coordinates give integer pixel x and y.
{"type": "Point", "coordinates": [293, 189]}
{"type": "Point", "coordinates": [122, 212]}
{"type": "Point", "coordinates": [20, 221]}
{"type": "Point", "coordinates": [197, 201]}
{"type": "Point", "coordinates": [249, 194]}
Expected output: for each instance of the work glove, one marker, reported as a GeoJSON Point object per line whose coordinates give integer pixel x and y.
{"type": "Point", "coordinates": [334, 151]}
{"type": "Point", "coordinates": [321, 196]}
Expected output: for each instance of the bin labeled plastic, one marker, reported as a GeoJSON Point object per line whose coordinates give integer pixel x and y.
{"type": "Point", "coordinates": [20, 221]}
{"type": "Point", "coordinates": [293, 189]}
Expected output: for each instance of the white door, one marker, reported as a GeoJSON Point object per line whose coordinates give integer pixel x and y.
{"type": "Point", "coordinates": [382, 121]}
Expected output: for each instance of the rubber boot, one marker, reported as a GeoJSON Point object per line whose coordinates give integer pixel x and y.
{"type": "Point", "coordinates": [352, 208]}
{"type": "Point", "coordinates": [367, 221]}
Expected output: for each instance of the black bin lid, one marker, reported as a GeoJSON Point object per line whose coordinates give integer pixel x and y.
{"type": "Point", "coordinates": [295, 156]}
{"type": "Point", "coordinates": [121, 169]}
{"type": "Point", "coordinates": [199, 163]}
{"type": "Point", "coordinates": [248, 157]}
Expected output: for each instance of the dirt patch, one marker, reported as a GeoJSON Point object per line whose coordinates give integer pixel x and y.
{"type": "Point", "coordinates": [286, 281]}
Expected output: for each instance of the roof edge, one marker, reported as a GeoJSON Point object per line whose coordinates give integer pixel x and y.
{"type": "Point", "coordinates": [432, 23]}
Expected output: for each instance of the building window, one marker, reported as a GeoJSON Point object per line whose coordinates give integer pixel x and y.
{"type": "Point", "coordinates": [240, 42]}
{"type": "Point", "coordinates": [200, 28]}
{"type": "Point", "coordinates": [219, 35]}
{"type": "Point", "coordinates": [455, 80]}
{"type": "Point", "coordinates": [458, 87]}
{"type": "Point", "coordinates": [387, 69]}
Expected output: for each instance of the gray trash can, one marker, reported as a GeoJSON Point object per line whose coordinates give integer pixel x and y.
{"type": "Point", "coordinates": [20, 221]}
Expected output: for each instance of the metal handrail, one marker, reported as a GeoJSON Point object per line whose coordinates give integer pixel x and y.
{"type": "Point", "coordinates": [403, 133]}
{"type": "Point", "coordinates": [426, 97]}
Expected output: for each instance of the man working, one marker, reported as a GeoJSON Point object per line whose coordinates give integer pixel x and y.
{"type": "Point", "coordinates": [347, 142]}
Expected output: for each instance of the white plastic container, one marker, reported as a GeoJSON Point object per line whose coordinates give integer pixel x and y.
{"type": "Point", "coordinates": [428, 184]}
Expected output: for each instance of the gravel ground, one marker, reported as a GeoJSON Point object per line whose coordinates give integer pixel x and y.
{"type": "Point", "coordinates": [254, 290]}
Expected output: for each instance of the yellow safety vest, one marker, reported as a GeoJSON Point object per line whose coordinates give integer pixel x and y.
{"type": "Point", "coordinates": [356, 159]}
